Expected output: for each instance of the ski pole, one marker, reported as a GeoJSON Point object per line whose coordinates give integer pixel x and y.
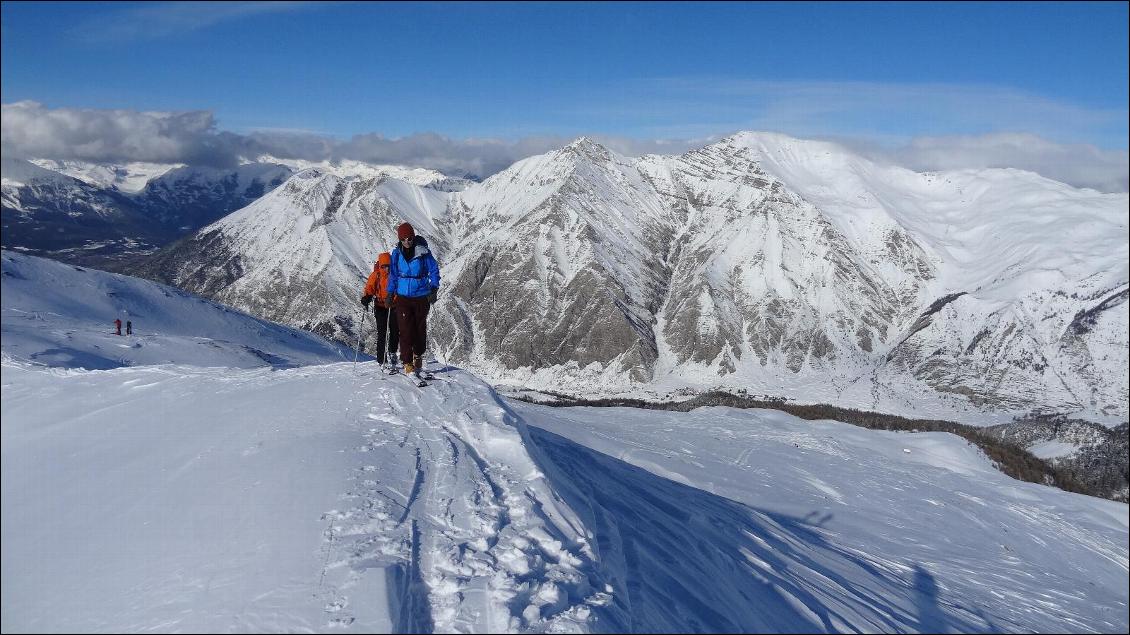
{"type": "Point", "coordinates": [388, 342]}
{"type": "Point", "coordinates": [360, 330]}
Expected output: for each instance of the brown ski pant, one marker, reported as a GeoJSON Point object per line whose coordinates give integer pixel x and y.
{"type": "Point", "coordinates": [412, 314]}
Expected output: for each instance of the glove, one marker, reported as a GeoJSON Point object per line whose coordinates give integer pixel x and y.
{"type": "Point", "coordinates": [393, 300]}
{"type": "Point", "coordinates": [432, 296]}
{"type": "Point", "coordinates": [365, 300]}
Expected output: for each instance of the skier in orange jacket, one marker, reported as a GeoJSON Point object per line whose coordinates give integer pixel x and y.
{"type": "Point", "coordinates": [388, 331]}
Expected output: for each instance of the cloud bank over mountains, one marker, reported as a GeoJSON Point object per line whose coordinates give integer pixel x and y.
{"type": "Point", "coordinates": [33, 130]}
{"type": "Point", "coordinates": [1081, 165]}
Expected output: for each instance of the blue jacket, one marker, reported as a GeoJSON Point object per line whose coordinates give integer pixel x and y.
{"type": "Point", "coordinates": [413, 278]}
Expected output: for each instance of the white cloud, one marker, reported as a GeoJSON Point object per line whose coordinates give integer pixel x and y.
{"type": "Point", "coordinates": [31, 130]}
{"type": "Point", "coordinates": [34, 131]}
{"type": "Point", "coordinates": [1081, 165]}
{"type": "Point", "coordinates": [475, 156]}
{"type": "Point", "coordinates": [887, 112]}
{"type": "Point", "coordinates": [478, 156]}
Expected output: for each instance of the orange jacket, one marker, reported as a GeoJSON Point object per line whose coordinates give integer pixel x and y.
{"type": "Point", "coordinates": [377, 284]}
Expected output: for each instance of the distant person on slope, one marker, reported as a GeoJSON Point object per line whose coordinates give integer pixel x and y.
{"type": "Point", "coordinates": [413, 282]}
{"type": "Point", "coordinates": [117, 326]}
{"type": "Point", "coordinates": [129, 327]}
{"type": "Point", "coordinates": [376, 288]}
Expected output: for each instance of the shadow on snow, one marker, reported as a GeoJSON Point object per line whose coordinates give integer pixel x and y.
{"type": "Point", "coordinates": [681, 559]}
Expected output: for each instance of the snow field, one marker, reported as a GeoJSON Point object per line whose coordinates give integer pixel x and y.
{"type": "Point", "coordinates": [299, 499]}
{"type": "Point", "coordinates": [60, 315]}
{"type": "Point", "coordinates": [722, 519]}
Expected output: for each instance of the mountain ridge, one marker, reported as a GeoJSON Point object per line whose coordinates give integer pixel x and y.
{"type": "Point", "coordinates": [760, 261]}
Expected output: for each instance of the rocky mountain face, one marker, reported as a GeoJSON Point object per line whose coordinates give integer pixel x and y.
{"type": "Point", "coordinates": [779, 266]}
{"type": "Point", "coordinates": [300, 254]}
{"type": "Point", "coordinates": [188, 198]}
{"type": "Point", "coordinates": [632, 268]}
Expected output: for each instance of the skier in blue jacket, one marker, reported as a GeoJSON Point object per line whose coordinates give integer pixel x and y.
{"type": "Point", "coordinates": [413, 282]}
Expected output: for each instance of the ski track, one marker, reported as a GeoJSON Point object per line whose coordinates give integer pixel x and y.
{"type": "Point", "coordinates": [468, 548]}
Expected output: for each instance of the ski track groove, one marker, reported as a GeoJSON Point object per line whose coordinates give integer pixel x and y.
{"type": "Point", "coordinates": [475, 540]}
{"type": "Point", "coordinates": [417, 483]}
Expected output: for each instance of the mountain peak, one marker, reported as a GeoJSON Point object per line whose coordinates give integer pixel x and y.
{"type": "Point", "coordinates": [582, 142]}
{"type": "Point", "coordinates": [765, 143]}
{"type": "Point", "coordinates": [20, 171]}
{"type": "Point", "coordinates": [315, 173]}
{"type": "Point", "coordinates": [587, 147]}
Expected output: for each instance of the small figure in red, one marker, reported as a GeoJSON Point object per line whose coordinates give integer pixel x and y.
{"type": "Point", "coordinates": [118, 326]}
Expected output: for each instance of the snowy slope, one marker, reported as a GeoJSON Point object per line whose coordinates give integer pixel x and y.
{"type": "Point", "coordinates": [199, 496]}
{"type": "Point", "coordinates": [207, 500]}
{"type": "Point", "coordinates": [176, 497]}
{"type": "Point", "coordinates": [18, 172]}
{"type": "Point", "coordinates": [837, 528]}
{"type": "Point", "coordinates": [60, 315]}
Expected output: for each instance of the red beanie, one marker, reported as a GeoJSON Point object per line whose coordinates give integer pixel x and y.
{"type": "Point", "coordinates": [405, 231]}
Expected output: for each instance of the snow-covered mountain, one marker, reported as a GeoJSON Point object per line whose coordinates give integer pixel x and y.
{"type": "Point", "coordinates": [775, 265]}
{"type": "Point", "coordinates": [51, 213]}
{"type": "Point", "coordinates": [650, 267]}
{"type": "Point", "coordinates": [347, 168]}
{"type": "Point", "coordinates": [196, 490]}
{"type": "Point", "coordinates": [105, 214]}
{"type": "Point", "coordinates": [301, 254]}
{"type": "Point", "coordinates": [188, 198]}
{"type": "Point", "coordinates": [127, 177]}
{"type": "Point", "coordinates": [88, 217]}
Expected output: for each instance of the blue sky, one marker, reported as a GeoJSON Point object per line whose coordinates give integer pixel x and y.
{"type": "Point", "coordinates": [880, 73]}
{"type": "Point", "coordinates": [510, 70]}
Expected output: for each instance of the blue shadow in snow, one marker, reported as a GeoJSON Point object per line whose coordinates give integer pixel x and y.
{"type": "Point", "coordinates": [683, 560]}
{"type": "Point", "coordinates": [74, 358]}
{"type": "Point", "coordinates": [408, 593]}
